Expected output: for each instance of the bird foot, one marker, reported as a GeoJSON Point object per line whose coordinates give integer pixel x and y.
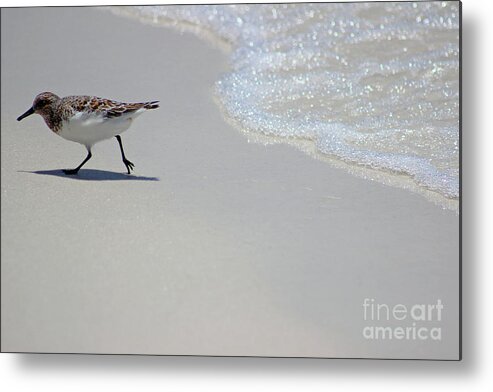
{"type": "Point", "coordinates": [70, 171]}
{"type": "Point", "coordinates": [129, 165]}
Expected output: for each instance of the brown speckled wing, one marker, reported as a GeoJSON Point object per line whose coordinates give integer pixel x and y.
{"type": "Point", "coordinates": [106, 107]}
{"type": "Point", "coordinates": [119, 109]}
{"type": "Point", "coordinates": [112, 109]}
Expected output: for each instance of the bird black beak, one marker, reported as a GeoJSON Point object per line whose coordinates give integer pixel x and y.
{"type": "Point", "coordinates": [28, 113]}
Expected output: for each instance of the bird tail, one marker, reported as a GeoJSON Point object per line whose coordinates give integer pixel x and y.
{"type": "Point", "coordinates": [151, 105]}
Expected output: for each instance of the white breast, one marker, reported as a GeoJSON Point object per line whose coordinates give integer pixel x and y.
{"type": "Point", "coordinates": [91, 128]}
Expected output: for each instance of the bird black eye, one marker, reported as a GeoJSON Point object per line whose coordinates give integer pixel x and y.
{"type": "Point", "coordinates": [41, 103]}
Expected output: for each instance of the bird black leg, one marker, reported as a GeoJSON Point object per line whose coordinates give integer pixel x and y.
{"type": "Point", "coordinates": [129, 165]}
{"type": "Point", "coordinates": [76, 170]}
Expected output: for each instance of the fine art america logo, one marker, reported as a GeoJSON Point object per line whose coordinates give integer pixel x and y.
{"type": "Point", "coordinates": [401, 322]}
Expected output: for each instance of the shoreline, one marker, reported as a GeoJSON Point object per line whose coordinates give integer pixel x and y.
{"type": "Point", "coordinates": [214, 246]}
{"type": "Point", "coordinates": [396, 180]}
{"type": "Point", "coordinates": [382, 175]}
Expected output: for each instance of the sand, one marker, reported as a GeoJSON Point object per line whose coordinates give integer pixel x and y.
{"type": "Point", "coordinates": [214, 246]}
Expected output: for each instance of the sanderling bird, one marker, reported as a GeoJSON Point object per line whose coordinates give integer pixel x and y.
{"type": "Point", "coordinates": [87, 120]}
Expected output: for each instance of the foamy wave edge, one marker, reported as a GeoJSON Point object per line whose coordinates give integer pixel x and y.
{"type": "Point", "coordinates": [383, 175]}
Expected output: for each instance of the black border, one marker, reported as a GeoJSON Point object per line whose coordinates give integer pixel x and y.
{"type": "Point", "coordinates": [283, 357]}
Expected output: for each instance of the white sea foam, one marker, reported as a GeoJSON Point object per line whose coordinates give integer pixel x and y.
{"type": "Point", "coordinates": [372, 84]}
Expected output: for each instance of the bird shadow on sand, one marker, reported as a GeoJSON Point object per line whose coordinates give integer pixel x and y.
{"type": "Point", "coordinates": [93, 175]}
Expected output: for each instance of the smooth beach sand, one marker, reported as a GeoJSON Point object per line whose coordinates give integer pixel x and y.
{"type": "Point", "coordinates": [214, 245]}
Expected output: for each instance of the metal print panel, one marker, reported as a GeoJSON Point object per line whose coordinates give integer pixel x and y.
{"type": "Point", "coordinates": [274, 180]}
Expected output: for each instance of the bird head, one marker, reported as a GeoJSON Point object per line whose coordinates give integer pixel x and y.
{"type": "Point", "coordinates": [43, 104]}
